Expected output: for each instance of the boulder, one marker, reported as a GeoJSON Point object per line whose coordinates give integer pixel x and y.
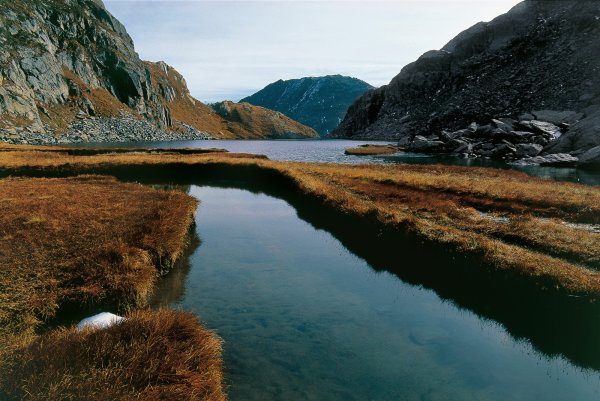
{"type": "Point", "coordinates": [527, 149]}
{"type": "Point", "coordinates": [422, 144]}
{"type": "Point", "coordinates": [583, 135]}
{"type": "Point", "coordinates": [447, 136]}
{"type": "Point", "coordinates": [541, 127]}
{"type": "Point", "coordinates": [455, 144]}
{"type": "Point", "coordinates": [591, 158]}
{"type": "Point", "coordinates": [558, 117]}
{"type": "Point", "coordinates": [521, 136]}
{"type": "Point", "coordinates": [502, 125]}
{"type": "Point", "coordinates": [467, 148]}
{"type": "Point", "coordinates": [526, 117]}
{"type": "Point", "coordinates": [502, 151]}
{"type": "Point", "coordinates": [557, 160]}
{"type": "Point", "coordinates": [483, 131]}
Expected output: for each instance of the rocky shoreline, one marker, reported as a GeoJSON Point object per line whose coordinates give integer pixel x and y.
{"type": "Point", "coordinates": [102, 129]}
{"type": "Point", "coordinates": [521, 142]}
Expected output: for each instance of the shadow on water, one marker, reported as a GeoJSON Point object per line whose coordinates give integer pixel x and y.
{"type": "Point", "coordinates": [555, 324]}
{"type": "Point", "coordinates": [170, 289]}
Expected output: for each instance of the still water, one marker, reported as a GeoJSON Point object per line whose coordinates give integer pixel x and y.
{"type": "Point", "coordinates": [303, 318]}
{"type": "Point", "coordinates": [332, 151]}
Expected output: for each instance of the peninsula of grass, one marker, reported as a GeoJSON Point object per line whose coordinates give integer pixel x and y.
{"type": "Point", "coordinates": [537, 230]}
{"type": "Point", "coordinates": [160, 355]}
{"type": "Point", "coordinates": [90, 242]}
{"type": "Point", "coordinates": [371, 150]}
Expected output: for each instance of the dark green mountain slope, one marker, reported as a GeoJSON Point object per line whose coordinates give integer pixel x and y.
{"type": "Point", "coordinates": [319, 102]}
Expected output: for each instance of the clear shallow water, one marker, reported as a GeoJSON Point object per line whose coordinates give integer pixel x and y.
{"type": "Point", "coordinates": [305, 319]}
{"type": "Point", "coordinates": [332, 151]}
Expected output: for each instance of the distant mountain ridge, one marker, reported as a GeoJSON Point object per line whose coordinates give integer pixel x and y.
{"type": "Point", "coordinates": [319, 102]}
{"type": "Point", "coordinates": [69, 72]}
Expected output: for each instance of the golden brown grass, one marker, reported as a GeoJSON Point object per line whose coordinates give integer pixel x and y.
{"type": "Point", "coordinates": [369, 150]}
{"type": "Point", "coordinates": [522, 230]}
{"type": "Point", "coordinates": [87, 240]}
{"type": "Point", "coordinates": [160, 355]}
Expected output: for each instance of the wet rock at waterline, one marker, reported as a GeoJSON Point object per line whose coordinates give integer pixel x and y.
{"type": "Point", "coordinates": [502, 139]}
{"type": "Point", "coordinates": [556, 160]}
{"type": "Point", "coordinates": [591, 158]}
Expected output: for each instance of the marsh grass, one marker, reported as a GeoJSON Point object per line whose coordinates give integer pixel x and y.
{"type": "Point", "coordinates": [85, 241]}
{"type": "Point", "coordinates": [152, 355]}
{"type": "Point", "coordinates": [509, 220]}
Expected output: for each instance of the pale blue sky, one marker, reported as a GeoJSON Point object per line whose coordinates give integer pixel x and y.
{"type": "Point", "coordinates": [230, 49]}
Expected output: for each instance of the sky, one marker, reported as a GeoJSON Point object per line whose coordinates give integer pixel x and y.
{"type": "Point", "coordinates": [227, 50]}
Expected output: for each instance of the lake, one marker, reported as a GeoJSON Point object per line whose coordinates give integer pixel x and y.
{"type": "Point", "coordinates": [305, 318]}
{"type": "Point", "coordinates": [332, 151]}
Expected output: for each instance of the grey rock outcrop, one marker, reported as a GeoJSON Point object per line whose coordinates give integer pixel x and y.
{"type": "Point", "coordinates": [591, 158]}
{"type": "Point", "coordinates": [582, 136]}
{"type": "Point", "coordinates": [539, 57]}
{"type": "Point", "coordinates": [556, 160]}
{"type": "Point", "coordinates": [497, 140]}
{"type": "Point", "coordinates": [65, 61]}
{"type": "Point", "coordinates": [53, 48]}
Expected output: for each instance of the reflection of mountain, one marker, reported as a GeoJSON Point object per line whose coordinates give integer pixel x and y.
{"type": "Point", "coordinates": [170, 289]}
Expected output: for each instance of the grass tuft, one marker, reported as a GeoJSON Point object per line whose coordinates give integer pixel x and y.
{"type": "Point", "coordinates": [152, 355]}
{"type": "Point", "coordinates": [85, 241]}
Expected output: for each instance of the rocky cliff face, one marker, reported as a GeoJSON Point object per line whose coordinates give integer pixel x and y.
{"type": "Point", "coordinates": [542, 55]}
{"type": "Point", "coordinates": [69, 72]}
{"type": "Point", "coordinates": [319, 102]}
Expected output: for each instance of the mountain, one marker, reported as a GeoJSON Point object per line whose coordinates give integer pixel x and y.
{"type": "Point", "coordinates": [319, 102]}
{"type": "Point", "coordinates": [248, 121]}
{"type": "Point", "coordinates": [69, 72]}
{"type": "Point", "coordinates": [540, 56]}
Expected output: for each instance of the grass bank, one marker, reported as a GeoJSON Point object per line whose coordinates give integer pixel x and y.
{"type": "Point", "coordinates": [538, 230]}
{"type": "Point", "coordinates": [161, 355]}
{"type": "Point", "coordinates": [371, 150]}
{"type": "Point", "coordinates": [92, 241]}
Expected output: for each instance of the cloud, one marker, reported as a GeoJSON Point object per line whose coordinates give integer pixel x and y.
{"type": "Point", "coordinates": [229, 49]}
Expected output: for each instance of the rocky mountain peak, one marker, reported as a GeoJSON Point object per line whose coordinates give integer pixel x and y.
{"type": "Point", "coordinates": [319, 102]}
{"type": "Point", "coordinates": [62, 61]}
{"type": "Point", "coordinates": [541, 55]}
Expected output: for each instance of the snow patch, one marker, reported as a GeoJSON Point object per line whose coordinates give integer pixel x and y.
{"type": "Point", "coordinates": [100, 321]}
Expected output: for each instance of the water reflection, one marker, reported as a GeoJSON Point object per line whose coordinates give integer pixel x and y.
{"type": "Point", "coordinates": [171, 288]}
{"type": "Point", "coordinates": [332, 151]}
{"type": "Point", "coordinates": [305, 319]}
{"type": "Point", "coordinates": [555, 325]}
